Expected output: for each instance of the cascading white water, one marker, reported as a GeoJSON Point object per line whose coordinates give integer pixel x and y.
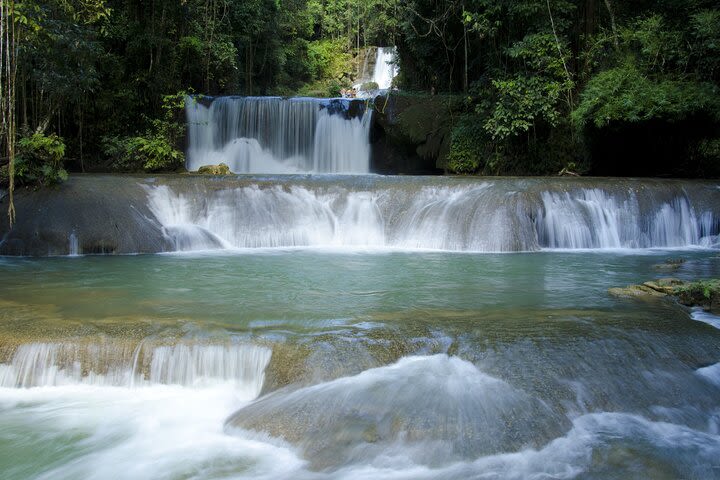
{"type": "Point", "coordinates": [73, 245]}
{"type": "Point", "coordinates": [384, 71]}
{"type": "Point", "coordinates": [592, 218]}
{"type": "Point", "coordinates": [125, 364]}
{"type": "Point", "coordinates": [479, 216]}
{"type": "Point", "coordinates": [385, 67]}
{"type": "Point", "coordinates": [278, 135]}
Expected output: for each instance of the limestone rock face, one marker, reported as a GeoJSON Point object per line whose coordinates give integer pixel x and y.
{"type": "Point", "coordinates": [101, 214]}
{"type": "Point", "coordinates": [410, 134]}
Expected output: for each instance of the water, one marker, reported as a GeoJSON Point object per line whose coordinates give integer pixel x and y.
{"type": "Point", "coordinates": [471, 215]}
{"type": "Point", "coordinates": [319, 363]}
{"type": "Point", "coordinates": [384, 71]}
{"type": "Point", "coordinates": [278, 135]}
{"type": "Point", "coordinates": [73, 245]}
{"type": "Point", "coordinates": [385, 67]}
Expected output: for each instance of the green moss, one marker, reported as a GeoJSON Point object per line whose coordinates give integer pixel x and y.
{"type": "Point", "coordinates": [705, 293]}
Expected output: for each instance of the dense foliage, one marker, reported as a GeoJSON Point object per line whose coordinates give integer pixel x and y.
{"type": "Point", "coordinates": [605, 87]}
{"type": "Point", "coordinates": [598, 86]}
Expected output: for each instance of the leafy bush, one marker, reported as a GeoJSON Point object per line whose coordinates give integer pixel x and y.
{"type": "Point", "coordinates": [328, 59]}
{"type": "Point", "coordinates": [623, 94]}
{"type": "Point", "coordinates": [156, 153]}
{"type": "Point", "coordinates": [466, 149]}
{"type": "Point", "coordinates": [327, 63]}
{"type": "Point", "coordinates": [142, 153]}
{"type": "Point", "coordinates": [334, 89]}
{"type": "Point", "coordinates": [155, 150]}
{"type": "Point", "coordinates": [120, 153]}
{"type": "Point", "coordinates": [39, 160]}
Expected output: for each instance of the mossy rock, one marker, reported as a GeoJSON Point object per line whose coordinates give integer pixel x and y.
{"type": "Point", "coordinates": [641, 292]}
{"type": "Point", "coordinates": [221, 169]}
{"type": "Point", "coordinates": [369, 86]}
{"type": "Point", "coordinates": [665, 285]}
{"type": "Point", "coordinates": [704, 293]}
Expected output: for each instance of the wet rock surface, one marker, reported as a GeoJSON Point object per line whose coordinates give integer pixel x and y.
{"type": "Point", "coordinates": [95, 214]}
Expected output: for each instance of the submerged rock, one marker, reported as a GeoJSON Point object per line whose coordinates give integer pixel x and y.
{"type": "Point", "coordinates": [670, 264]}
{"type": "Point", "coordinates": [439, 407]}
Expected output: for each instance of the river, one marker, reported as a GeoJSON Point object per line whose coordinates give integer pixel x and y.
{"type": "Point", "coordinates": [355, 363]}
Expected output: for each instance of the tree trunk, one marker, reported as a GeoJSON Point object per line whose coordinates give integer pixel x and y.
{"type": "Point", "coordinates": [8, 76]}
{"type": "Point", "coordinates": [80, 135]}
{"type": "Point", "coordinates": [465, 40]}
{"type": "Point", "coordinates": [44, 123]}
{"type": "Point", "coordinates": [608, 5]}
{"type": "Point", "coordinates": [249, 68]}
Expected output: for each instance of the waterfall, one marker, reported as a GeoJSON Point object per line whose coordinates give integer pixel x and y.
{"type": "Point", "coordinates": [129, 364]}
{"type": "Point", "coordinates": [278, 135]}
{"type": "Point", "coordinates": [73, 245]}
{"type": "Point", "coordinates": [384, 71]}
{"type": "Point", "coordinates": [385, 68]}
{"type": "Point", "coordinates": [409, 213]}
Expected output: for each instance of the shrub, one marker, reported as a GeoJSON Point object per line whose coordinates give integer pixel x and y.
{"type": "Point", "coordinates": [148, 153]}
{"type": "Point", "coordinates": [466, 149]}
{"type": "Point", "coordinates": [155, 150]}
{"type": "Point", "coordinates": [156, 153]}
{"type": "Point", "coordinates": [40, 160]}
{"type": "Point", "coordinates": [624, 94]}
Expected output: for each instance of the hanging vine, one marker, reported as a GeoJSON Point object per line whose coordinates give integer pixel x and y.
{"type": "Point", "coordinates": [8, 73]}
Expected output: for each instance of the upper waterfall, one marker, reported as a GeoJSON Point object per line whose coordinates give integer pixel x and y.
{"type": "Point", "coordinates": [385, 67]}
{"type": "Point", "coordinates": [384, 70]}
{"type": "Point", "coordinates": [279, 135]}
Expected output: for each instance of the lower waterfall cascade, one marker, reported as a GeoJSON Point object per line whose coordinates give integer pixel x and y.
{"type": "Point", "coordinates": [482, 215]}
